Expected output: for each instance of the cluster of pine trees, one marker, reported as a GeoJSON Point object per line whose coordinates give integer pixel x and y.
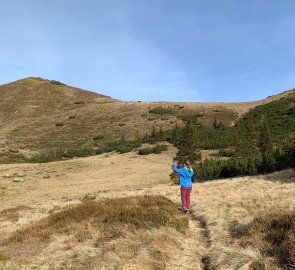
{"type": "Point", "coordinates": [254, 148]}
{"type": "Point", "coordinates": [255, 153]}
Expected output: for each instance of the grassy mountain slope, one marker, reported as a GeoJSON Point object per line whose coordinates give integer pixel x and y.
{"type": "Point", "coordinates": [42, 115]}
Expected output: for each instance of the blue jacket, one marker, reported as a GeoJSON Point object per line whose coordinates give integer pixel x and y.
{"type": "Point", "coordinates": [185, 176]}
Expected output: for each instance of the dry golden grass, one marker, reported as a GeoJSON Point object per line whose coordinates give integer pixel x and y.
{"type": "Point", "coordinates": [12, 214]}
{"type": "Point", "coordinates": [229, 206]}
{"type": "Point", "coordinates": [123, 227]}
{"type": "Point", "coordinates": [225, 208]}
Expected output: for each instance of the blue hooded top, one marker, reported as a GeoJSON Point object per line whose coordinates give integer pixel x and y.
{"type": "Point", "coordinates": [185, 176]}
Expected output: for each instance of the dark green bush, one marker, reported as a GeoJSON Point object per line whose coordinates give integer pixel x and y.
{"type": "Point", "coordinates": [56, 82]}
{"type": "Point", "coordinates": [98, 137]}
{"type": "Point", "coordinates": [285, 155]}
{"type": "Point", "coordinates": [160, 110]}
{"type": "Point", "coordinates": [121, 146]}
{"type": "Point", "coordinates": [238, 166]}
{"type": "Point", "coordinates": [58, 155]}
{"type": "Point", "coordinates": [79, 102]}
{"type": "Point", "coordinates": [215, 169]}
{"type": "Point", "coordinates": [146, 151]}
{"type": "Point", "coordinates": [160, 148]}
{"type": "Point", "coordinates": [153, 150]}
{"type": "Point", "coordinates": [124, 148]}
{"type": "Point", "coordinates": [86, 152]}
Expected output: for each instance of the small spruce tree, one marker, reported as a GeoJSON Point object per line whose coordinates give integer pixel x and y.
{"type": "Point", "coordinates": [266, 147]}
{"type": "Point", "coordinates": [187, 146]}
{"type": "Point", "coordinates": [247, 141]}
{"type": "Point", "coordinates": [176, 135]}
{"type": "Point", "coordinates": [161, 134]}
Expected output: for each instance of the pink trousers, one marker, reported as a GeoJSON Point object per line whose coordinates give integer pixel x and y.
{"type": "Point", "coordinates": [185, 197]}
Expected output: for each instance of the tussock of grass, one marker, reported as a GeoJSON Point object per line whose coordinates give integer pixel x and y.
{"type": "Point", "coordinates": [3, 257]}
{"type": "Point", "coordinates": [104, 221]}
{"type": "Point", "coordinates": [273, 234]}
{"type": "Point", "coordinates": [98, 137]}
{"type": "Point", "coordinates": [237, 258]}
{"type": "Point", "coordinates": [11, 214]}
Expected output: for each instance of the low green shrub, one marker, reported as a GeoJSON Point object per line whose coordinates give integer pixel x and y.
{"type": "Point", "coordinates": [98, 137]}
{"type": "Point", "coordinates": [56, 82]}
{"type": "Point", "coordinates": [124, 148]}
{"type": "Point", "coordinates": [119, 146]}
{"type": "Point", "coordinates": [214, 169]}
{"type": "Point", "coordinates": [45, 157]}
{"type": "Point", "coordinates": [237, 166]}
{"type": "Point", "coordinates": [59, 155]}
{"type": "Point", "coordinates": [79, 102]}
{"type": "Point", "coordinates": [86, 152]}
{"type": "Point", "coordinates": [160, 110]}
{"type": "Point", "coordinates": [160, 148]}
{"type": "Point", "coordinates": [153, 150]}
{"type": "Point", "coordinates": [146, 151]}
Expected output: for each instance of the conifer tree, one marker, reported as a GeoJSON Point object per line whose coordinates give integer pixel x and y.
{"type": "Point", "coordinates": [187, 146]}
{"type": "Point", "coordinates": [247, 141]}
{"type": "Point", "coordinates": [161, 134]}
{"type": "Point", "coordinates": [266, 147]}
{"type": "Point", "coordinates": [153, 136]}
{"type": "Point", "coordinates": [176, 134]}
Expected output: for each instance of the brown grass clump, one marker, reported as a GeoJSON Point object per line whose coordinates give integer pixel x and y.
{"type": "Point", "coordinates": [274, 234]}
{"type": "Point", "coordinates": [102, 223]}
{"type": "Point", "coordinates": [12, 214]}
{"type": "Point", "coordinates": [3, 257]}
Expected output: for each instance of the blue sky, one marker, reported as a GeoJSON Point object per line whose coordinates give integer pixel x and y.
{"type": "Point", "coordinates": [153, 50]}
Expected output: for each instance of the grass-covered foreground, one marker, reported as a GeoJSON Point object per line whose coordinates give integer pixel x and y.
{"type": "Point", "coordinates": [108, 232]}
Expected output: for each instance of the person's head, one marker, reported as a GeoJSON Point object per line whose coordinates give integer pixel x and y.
{"type": "Point", "coordinates": [187, 163]}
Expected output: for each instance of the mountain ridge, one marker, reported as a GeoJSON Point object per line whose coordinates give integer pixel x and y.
{"type": "Point", "coordinates": [43, 115]}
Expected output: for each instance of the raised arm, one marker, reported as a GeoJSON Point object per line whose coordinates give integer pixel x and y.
{"type": "Point", "coordinates": [175, 169]}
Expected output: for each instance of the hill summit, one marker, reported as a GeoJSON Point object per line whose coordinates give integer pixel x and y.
{"type": "Point", "coordinates": [42, 115]}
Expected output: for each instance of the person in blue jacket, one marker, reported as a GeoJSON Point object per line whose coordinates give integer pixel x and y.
{"type": "Point", "coordinates": [185, 181]}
